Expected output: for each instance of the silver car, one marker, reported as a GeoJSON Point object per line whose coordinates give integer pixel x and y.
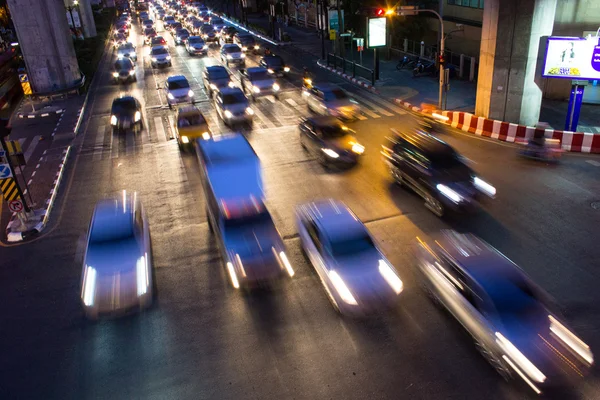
{"type": "Point", "coordinates": [117, 267]}
{"type": "Point", "coordinates": [355, 274]}
{"type": "Point", "coordinates": [328, 99]}
{"type": "Point", "coordinates": [232, 106]}
{"type": "Point", "coordinates": [257, 81]}
{"type": "Point", "coordinates": [514, 323]}
{"type": "Point", "coordinates": [159, 55]}
{"type": "Point", "coordinates": [177, 89]}
{"type": "Point", "coordinates": [127, 50]}
{"type": "Point", "coordinates": [232, 53]}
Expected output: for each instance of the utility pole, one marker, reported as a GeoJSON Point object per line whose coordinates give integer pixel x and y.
{"type": "Point", "coordinates": [340, 29]}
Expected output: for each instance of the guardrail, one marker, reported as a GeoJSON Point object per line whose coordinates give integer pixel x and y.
{"type": "Point", "coordinates": [348, 66]}
{"type": "Point", "coordinates": [60, 94]}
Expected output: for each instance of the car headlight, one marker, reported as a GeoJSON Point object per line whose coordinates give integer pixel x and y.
{"type": "Point", "coordinates": [357, 148]}
{"type": "Point", "coordinates": [213, 86]}
{"type": "Point", "coordinates": [205, 135]}
{"type": "Point", "coordinates": [132, 72]}
{"type": "Point", "coordinates": [170, 96]}
{"type": "Point", "coordinates": [168, 57]}
{"type": "Point", "coordinates": [89, 286]}
{"type": "Point", "coordinates": [270, 71]}
{"type": "Point", "coordinates": [141, 268]}
{"type": "Point", "coordinates": [137, 116]}
{"type": "Point", "coordinates": [570, 340]}
{"type": "Point", "coordinates": [205, 47]}
{"type": "Point", "coordinates": [116, 74]}
{"type": "Point", "coordinates": [330, 153]}
{"type": "Point", "coordinates": [113, 120]}
{"type": "Point", "coordinates": [119, 56]}
{"type": "Point", "coordinates": [522, 362]}
{"type": "Point", "coordinates": [231, 84]}
{"type": "Point", "coordinates": [249, 111]}
{"type": "Point", "coordinates": [390, 276]}
{"type": "Point", "coordinates": [243, 55]}
{"type": "Point", "coordinates": [228, 114]}
{"type": "Point", "coordinates": [185, 139]}
{"type": "Point", "coordinates": [449, 193]}
{"type": "Point", "coordinates": [244, 49]}
{"type": "Point", "coordinates": [484, 186]}
{"type": "Point", "coordinates": [154, 59]}
{"type": "Point", "coordinates": [229, 57]}
{"type": "Point", "coordinates": [256, 47]}
{"type": "Point", "coordinates": [286, 69]}
{"type": "Point", "coordinates": [341, 288]}
{"type": "Point", "coordinates": [255, 89]}
{"type": "Point", "coordinates": [190, 93]}
{"type": "Point", "coordinates": [276, 87]}
{"type": "Point", "coordinates": [286, 263]}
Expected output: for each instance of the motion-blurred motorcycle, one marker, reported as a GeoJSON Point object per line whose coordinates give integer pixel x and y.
{"type": "Point", "coordinates": [546, 150]}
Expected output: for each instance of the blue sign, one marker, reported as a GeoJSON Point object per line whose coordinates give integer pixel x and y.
{"type": "Point", "coordinates": [2, 153]}
{"type": "Point", "coordinates": [5, 171]}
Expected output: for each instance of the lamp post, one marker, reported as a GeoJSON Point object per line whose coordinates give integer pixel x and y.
{"type": "Point", "coordinates": [70, 8]}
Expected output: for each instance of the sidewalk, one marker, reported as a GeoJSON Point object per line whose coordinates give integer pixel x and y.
{"type": "Point", "coordinates": [45, 144]}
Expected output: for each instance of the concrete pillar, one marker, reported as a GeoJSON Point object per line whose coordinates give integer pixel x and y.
{"type": "Point", "coordinates": [509, 85]}
{"type": "Point", "coordinates": [87, 18]}
{"type": "Point", "coordinates": [461, 69]}
{"type": "Point", "coordinates": [46, 43]}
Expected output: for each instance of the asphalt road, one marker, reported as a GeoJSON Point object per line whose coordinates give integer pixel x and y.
{"type": "Point", "coordinates": [204, 340]}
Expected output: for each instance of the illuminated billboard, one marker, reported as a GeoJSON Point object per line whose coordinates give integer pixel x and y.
{"type": "Point", "coordinates": [572, 58]}
{"type": "Point", "coordinates": [377, 32]}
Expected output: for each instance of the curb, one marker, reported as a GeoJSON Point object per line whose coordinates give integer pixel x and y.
{"type": "Point", "coordinates": [258, 35]}
{"type": "Point", "coordinates": [349, 78]}
{"type": "Point", "coordinates": [575, 142]}
{"type": "Point", "coordinates": [40, 114]}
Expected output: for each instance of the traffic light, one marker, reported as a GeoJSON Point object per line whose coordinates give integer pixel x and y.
{"type": "Point", "coordinates": [442, 60]}
{"type": "Point", "coordinates": [380, 12]}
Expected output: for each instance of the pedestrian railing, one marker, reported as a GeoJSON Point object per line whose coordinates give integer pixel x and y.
{"type": "Point", "coordinates": [350, 67]}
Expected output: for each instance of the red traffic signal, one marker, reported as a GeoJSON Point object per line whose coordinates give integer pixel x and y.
{"type": "Point", "coordinates": [379, 12]}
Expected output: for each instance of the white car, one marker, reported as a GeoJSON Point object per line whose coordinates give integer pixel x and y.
{"type": "Point", "coordinates": [117, 267]}
{"type": "Point", "coordinates": [178, 90]}
{"type": "Point", "coordinates": [127, 50]}
{"type": "Point", "coordinates": [356, 276]}
{"type": "Point", "coordinates": [195, 45]}
{"type": "Point", "coordinates": [159, 55]}
{"type": "Point", "coordinates": [232, 53]}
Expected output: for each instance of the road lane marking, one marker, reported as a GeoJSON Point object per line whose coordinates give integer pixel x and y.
{"type": "Point", "coordinates": [263, 118]}
{"type": "Point", "coordinates": [291, 102]}
{"type": "Point", "coordinates": [362, 117]}
{"type": "Point", "coordinates": [171, 128]}
{"type": "Point", "coordinates": [99, 145]}
{"type": "Point", "coordinates": [129, 143]}
{"type": "Point", "coordinates": [372, 105]}
{"type": "Point", "coordinates": [593, 162]}
{"type": "Point", "coordinates": [32, 145]}
{"type": "Point", "coordinates": [114, 144]}
{"type": "Point", "coordinates": [160, 129]}
{"type": "Point", "coordinates": [386, 104]}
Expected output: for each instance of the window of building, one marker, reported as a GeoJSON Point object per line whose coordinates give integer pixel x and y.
{"type": "Point", "coordinates": [467, 3]}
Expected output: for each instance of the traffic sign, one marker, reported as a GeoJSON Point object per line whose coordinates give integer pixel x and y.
{"type": "Point", "coordinates": [346, 34]}
{"type": "Point", "coordinates": [15, 205]}
{"type": "Point", "coordinates": [5, 171]}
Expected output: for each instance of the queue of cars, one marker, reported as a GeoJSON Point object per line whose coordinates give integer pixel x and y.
{"type": "Point", "coordinates": [514, 323]}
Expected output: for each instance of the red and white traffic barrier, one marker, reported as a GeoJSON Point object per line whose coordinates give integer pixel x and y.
{"type": "Point", "coordinates": [508, 132]}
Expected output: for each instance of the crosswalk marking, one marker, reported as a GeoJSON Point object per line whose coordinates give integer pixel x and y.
{"type": "Point", "coordinates": [263, 118]}
{"type": "Point", "coordinates": [362, 117]}
{"type": "Point", "coordinates": [171, 128]}
{"type": "Point", "coordinates": [291, 102]}
{"type": "Point", "coordinates": [32, 145]}
{"type": "Point", "coordinates": [386, 104]}
{"type": "Point", "coordinates": [373, 106]}
{"type": "Point", "coordinates": [370, 113]}
{"type": "Point", "coordinates": [99, 145]}
{"type": "Point", "coordinates": [114, 145]}
{"type": "Point", "coordinates": [160, 129]}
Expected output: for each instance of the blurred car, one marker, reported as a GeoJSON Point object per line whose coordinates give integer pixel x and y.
{"type": "Point", "coordinates": [148, 23]}
{"type": "Point", "coordinates": [122, 30]}
{"type": "Point", "coordinates": [125, 114]}
{"type": "Point", "coordinates": [246, 42]}
{"type": "Point", "coordinates": [190, 125]}
{"type": "Point", "coordinates": [167, 21]}
{"type": "Point", "coordinates": [330, 141]}
{"type": "Point", "coordinates": [257, 81]}
{"type": "Point", "coordinates": [208, 33]}
{"type": "Point", "coordinates": [177, 89]}
{"type": "Point", "coordinates": [217, 23]}
{"type": "Point", "coordinates": [124, 70]}
{"type": "Point", "coordinates": [117, 266]}
{"type": "Point", "coordinates": [231, 53]}
{"type": "Point", "coordinates": [149, 33]}
{"type": "Point", "coordinates": [329, 99]}
{"type": "Point", "coordinates": [181, 36]}
{"type": "Point", "coordinates": [118, 40]}
{"type": "Point", "coordinates": [232, 106]}
{"type": "Point", "coordinates": [158, 41]}
{"type": "Point", "coordinates": [274, 65]}
{"type": "Point", "coordinates": [174, 27]}
{"type": "Point", "coordinates": [159, 55]}
{"type": "Point", "coordinates": [216, 77]}
{"type": "Point", "coordinates": [127, 50]}
{"type": "Point", "coordinates": [143, 16]}
{"type": "Point", "coordinates": [435, 171]}
{"type": "Point", "coordinates": [194, 45]}
{"type": "Point", "coordinates": [226, 35]}
{"type": "Point", "coordinates": [514, 323]}
{"type": "Point", "coordinates": [195, 27]}
{"type": "Point", "coordinates": [356, 276]}
{"type": "Point", "coordinates": [161, 14]}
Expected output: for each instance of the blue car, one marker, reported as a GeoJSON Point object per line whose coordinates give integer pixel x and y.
{"type": "Point", "coordinates": [355, 274]}
{"type": "Point", "coordinates": [512, 321]}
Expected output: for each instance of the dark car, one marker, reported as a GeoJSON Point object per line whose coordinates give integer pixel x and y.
{"type": "Point", "coordinates": [435, 171]}
{"type": "Point", "coordinates": [515, 324]}
{"type": "Point", "coordinates": [125, 114]}
{"type": "Point", "coordinates": [195, 45]}
{"type": "Point", "coordinates": [174, 27]}
{"type": "Point", "coordinates": [257, 81]}
{"type": "Point", "coordinates": [215, 78]}
{"type": "Point", "coordinates": [158, 41]}
{"type": "Point", "coordinates": [227, 34]}
{"type": "Point", "coordinates": [208, 33]}
{"type": "Point", "coordinates": [246, 42]}
{"type": "Point", "coordinates": [330, 141]}
{"type": "Point", "coordinates": [181, 36]}
{"type": "Point", "coordinates": [274, 65]}
{"type": "Point", "coordinates": [124, 70]}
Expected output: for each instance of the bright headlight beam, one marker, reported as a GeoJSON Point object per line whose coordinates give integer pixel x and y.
{"type": "Point", "coordinates": [572, 341]}
{"type": "Point", "coordinates": [484, 186]}
{"type": "Point", "coordinates": [330, 153]}
{"type": "Point", "coordinates": [232, 276]}
{"type": "Point", "coordinates": [185, 140]}
{"type": "Point", "coordinates": [89, 286]}
{"type": "Point", "coordinates": [228, 114]}
{"type": "Point", "coordinates": [449, 193]}
{"type": "Point", "coordinates": [341, 288]}
{"type": "Point", "coordinates": [142, 275]}
{"type": "Point", "coordinates": [521, 374]}
{"type": "Point", "coordinates": [390, 276]}
{"type": "Point", "coordinates": [286, 264]}
{"type": "Point", "coordinates": [137, 116]}
{"type": "Point", "coordinates": [113, 120]}
{"type": "Point", "coordinates": [358, 148]}
{"type": "Point", "coordinates": [522, 362]}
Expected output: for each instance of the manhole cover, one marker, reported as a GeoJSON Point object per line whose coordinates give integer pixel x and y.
{"type": "Point", "coordinates": [596, 205]}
